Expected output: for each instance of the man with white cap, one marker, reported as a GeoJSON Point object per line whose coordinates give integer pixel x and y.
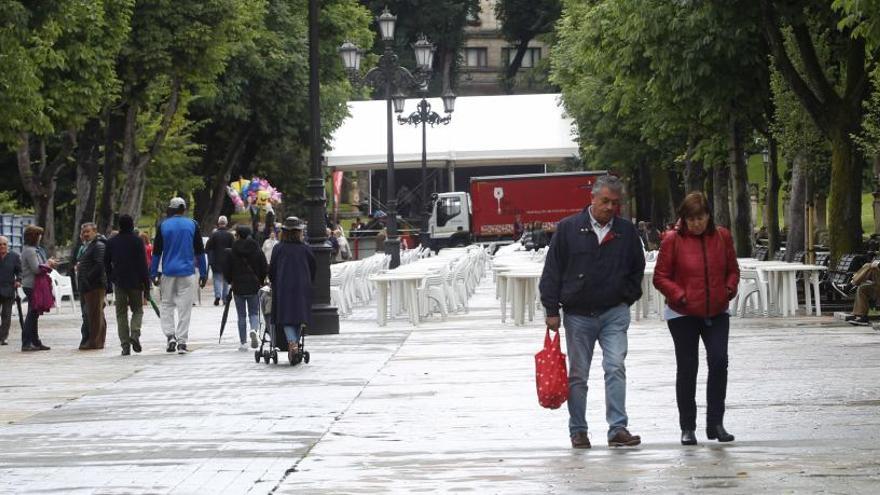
{"type": "Point", "coordinates": [218, 243]}
{"type": "Point", "coordinates": [178, 246]}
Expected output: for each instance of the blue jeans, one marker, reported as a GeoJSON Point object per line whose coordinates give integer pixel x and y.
{"type": "Point", "coordinates": [252, 313]}
{"type": "Point", "coordinates": [581, 334]}
{"type": "Point", "coordinates": [292, 333]}
{"type": "Point", "coordinates": [221, 286]}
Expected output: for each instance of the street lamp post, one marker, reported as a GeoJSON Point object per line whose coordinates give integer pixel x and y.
{"type": "Point", "coordinates": [393, 78]}
{"type": "Point", "coordinates": [325, 317]}
{"type": "Point", "coordinates": [424, 116]}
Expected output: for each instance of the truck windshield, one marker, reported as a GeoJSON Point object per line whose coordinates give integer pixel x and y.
{"type": "Point", "coordinates": [447, 208]}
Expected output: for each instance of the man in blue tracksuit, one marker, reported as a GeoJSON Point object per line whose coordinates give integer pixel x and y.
{"type": "Point", "coordinates": [178, 247]}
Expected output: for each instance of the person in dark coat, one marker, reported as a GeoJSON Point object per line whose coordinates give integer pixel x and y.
{"type": "Point", "coordinates": [92, 282]}
{"type": "Point", "coordinates": [127, 269]}
{"type": "Point", "coordinates": [10, 281]}
{"type": "Point", "coordinates": [246, 271]}
{"type": "Point", "coordinates": [217, 248]}
{"type": "Point", "coordinates": [291, 272]}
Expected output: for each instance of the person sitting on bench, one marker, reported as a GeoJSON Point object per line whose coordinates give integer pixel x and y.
{"type": "Point", "coordinates": [867, 278]}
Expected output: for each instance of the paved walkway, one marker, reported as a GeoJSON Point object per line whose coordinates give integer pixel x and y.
{"type": "Point", "coordinates": [447, 406]}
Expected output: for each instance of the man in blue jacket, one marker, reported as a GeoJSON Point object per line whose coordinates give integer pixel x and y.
{"type": "Point", "coordinates": [178, 247]}
{"type": "Point", "coordinates": [593, 272]}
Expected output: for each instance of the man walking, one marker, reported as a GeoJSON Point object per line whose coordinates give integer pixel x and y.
{"type": "Point", "coordinates": [218, 243]}
{"type": "Point", "coordinates": [593, 272]}
{"type": "Point", "coordinates": [10, 281]}
{"type": "Point", "coordinates": [127, 269]}
{"type": "Point", "coordinates": [177, 247]}
{"type": "Point", "coordinates": [92, 282]}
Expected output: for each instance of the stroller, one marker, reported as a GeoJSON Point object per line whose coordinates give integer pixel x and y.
{"type": "Point", "coordinates": [271, 341]}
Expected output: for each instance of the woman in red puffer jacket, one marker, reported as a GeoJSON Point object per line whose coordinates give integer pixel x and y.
{"type": "Point", "coordinates": [697, 272]}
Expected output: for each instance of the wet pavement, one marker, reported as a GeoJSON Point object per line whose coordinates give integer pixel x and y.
{"type": "Point", "coordinates": [447, 406]}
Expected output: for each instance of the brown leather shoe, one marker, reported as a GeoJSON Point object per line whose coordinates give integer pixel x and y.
{"type": "Point", "coordinates": [624, 438]}
{"type": "Point", "coordinates": [580, 440]}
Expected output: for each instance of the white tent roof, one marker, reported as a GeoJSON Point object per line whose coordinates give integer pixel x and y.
{"type": "Point", "coordinates": [485, 130]}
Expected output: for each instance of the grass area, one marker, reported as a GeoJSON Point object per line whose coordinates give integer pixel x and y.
{"type": "Point", "coordinates": [756, 176]}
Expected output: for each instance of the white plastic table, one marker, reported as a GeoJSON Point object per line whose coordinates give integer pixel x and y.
{"type": "Point", "coordinates": [409, 283]}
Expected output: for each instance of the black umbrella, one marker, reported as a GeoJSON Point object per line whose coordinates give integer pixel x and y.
{"type": "Point", "coordinates": [225, 314]}
{"type": "Point", "coordinates": [20, 315]}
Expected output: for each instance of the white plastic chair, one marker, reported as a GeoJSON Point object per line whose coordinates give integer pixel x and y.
{"type": "Point", "coordinates": [751, 285]}
{"type": "Point", "coordinates": [61, 288]}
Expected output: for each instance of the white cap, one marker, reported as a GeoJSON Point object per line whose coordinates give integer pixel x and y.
{"type": "Point", "coordinates": [176, 203]}
{"type": "Point", "coordinates": [222, 220]}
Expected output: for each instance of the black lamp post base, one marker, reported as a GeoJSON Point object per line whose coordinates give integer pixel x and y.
{"type": "Point", "coordinates": [392, 248]}
{"type": "Point", "coordinates": [325, 320]}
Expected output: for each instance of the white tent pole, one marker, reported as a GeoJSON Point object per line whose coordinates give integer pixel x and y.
{"type": "Point", "coordinates": [370, 192]}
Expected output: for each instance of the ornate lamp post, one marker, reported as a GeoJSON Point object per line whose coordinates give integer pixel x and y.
{"type": "Point", "coordinates": [424, 116]}
{"type": "Point", "coordinates": [394, 79]}
{"type": "Point", "coordinates": [325, 318]}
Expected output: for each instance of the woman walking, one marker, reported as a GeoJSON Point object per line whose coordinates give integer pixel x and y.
{"type": "Point", "coordinates": [698, 273]}
{"type": "Point", "coordinates": [245, 271]}
{"type": "Point", "coordinates": [33, 257]}
{"type": "Point", "coordinates": [291, 271]}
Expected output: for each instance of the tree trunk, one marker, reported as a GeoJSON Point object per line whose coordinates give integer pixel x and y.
{"type": "Point", "coordinates": [845, 198]}
{"type": "Point", "coordinates": [643, 196]}
{"type": "Point", "coordinates": [41, 185]}
{"type": "Point", "coordinates": [113, 129]}
{"type": "Point", "coordinates": [795, 221]}
{"type": "Point", "coordinates": [221, 179]}
{"type": "Point", "coordinates": [694, 173]}
{"type": "Point", "coordinates": [512, 68]}
{"type": "Point", "coordinates": [721, 194]}
{"type": "Point", "coordinates": [87, 176]}
{"type": "Point", "coordinates": [773, 198]}
{"type": "Point", "coordinates": [742, 226]}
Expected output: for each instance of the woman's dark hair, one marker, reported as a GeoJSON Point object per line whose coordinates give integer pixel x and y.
{"type": "Point", "coordinates": [32, 235]}
{"type": "Point", "coordinates": [242, 231]}
{"type": "Point", "coordinates": [694, 205]}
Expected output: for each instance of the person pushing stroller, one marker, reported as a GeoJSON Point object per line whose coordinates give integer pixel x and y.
{"type": "Point", "coordinates": [291, 273]}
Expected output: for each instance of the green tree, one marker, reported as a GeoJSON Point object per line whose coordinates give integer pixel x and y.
{"type": "Point", "coordinates": [521, 22]}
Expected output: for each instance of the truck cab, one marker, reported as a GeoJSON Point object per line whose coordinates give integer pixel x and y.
{"type": "Point", "coordinates": [450, 222]}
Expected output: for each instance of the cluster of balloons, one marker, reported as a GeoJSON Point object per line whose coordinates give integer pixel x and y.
{"type": "Point", "coordinates": [255, 192]}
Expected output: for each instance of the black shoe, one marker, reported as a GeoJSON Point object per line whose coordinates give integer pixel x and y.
{"type": "Point", "coordinates": [41, 347]}
{"type": "Point", "coordinates": [172, 346]}
{"type": "Point", "coordinates": [216, 301]}
{"type": "Point", "coordinates": [3, 342]}
{"type": "Point", "coordinates": [718, 432]}
{"type": "Point", "coordinates": [181, 349]}
{"type": "Point", "coordinates": [29, 348]}
{"type": "Point", "coordinates": [126, 350]}
{"type": "Point", "coordinates": [623, 438]}
{"type": "Point", "coordinates": [136, 345]}
{"type": "Point", "coordinates": [688, 437]}
{"type": "Point", "coordinates": [861, 321]}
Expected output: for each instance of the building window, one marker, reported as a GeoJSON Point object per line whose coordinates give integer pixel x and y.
{"type": "Point", "coordinates": [476, 57]}
{"type": "Point", "coordinates": [530, 59]}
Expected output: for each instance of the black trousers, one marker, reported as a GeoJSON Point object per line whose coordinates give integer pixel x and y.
{"type": "Point", "coordinates": [686, 334]}
{"type": "Point", "coordinates": [5, 316]}
{"type": "Point", "coordinates": [30, 334]}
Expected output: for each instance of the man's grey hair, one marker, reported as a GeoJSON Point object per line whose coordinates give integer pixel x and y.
{"type": "Point", "coordinates": [4, 239]}
{"type": "Point", "coordinates": [88, 225]}
{"type": "Point", "coordinates": [611, 182]}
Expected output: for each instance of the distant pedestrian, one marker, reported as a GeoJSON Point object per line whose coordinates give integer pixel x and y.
{"type": "Point", "coordinates": [246, 269]}
{"type": "Point", "coordinates": [128, 271]}
{"type": "Point", "coordinates": [292, 271]}
{"type": "Point", "coordinates": [698, 274]}
{"type": "Point", "coordinates": [10, 281]}
{"type": "Point", "coordinates": [380, 240]}
{"type": "Point", "coordinates": [344, 248]}
{"type": "Point", "coordinates": [269, 244]}
{"type": "Point", "coordinates": [148, 247]}
{"type": "Point", "coordinates": [34, 264]}
{"type": "Point", "coordinates": [216, 248]}
{"type": "Point", "coordinates": [518, 228]}
{"type": "Point", "coordinates": [593, 272]}
{"type": "Point", "coordinates": [178, 247]}
{"type": "Point", "coordinates": [84, 313]}
{"type": "Point", "coordinates": [91, 279]}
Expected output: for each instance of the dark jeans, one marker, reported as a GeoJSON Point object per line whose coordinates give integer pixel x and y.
{"type": "Point", "coordinates": [30, 334]}
{"type": "Point", "coordinates": [84, 328]}
{"type": "Point", "coordinates": [5, 316]}
{"type": "Point", "coordinates": [686, 334]}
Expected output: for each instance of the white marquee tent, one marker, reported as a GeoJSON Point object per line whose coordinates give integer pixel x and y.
{"type": "Point", "coordinates": [485, 130]}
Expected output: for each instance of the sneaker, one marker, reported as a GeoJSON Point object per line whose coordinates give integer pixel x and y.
{"type": "Point", "coordinates": [126, 350]}
{"type": "Point", "coordinates": [254, 342]}
{"type": "Point", "coordinates": [172, 346]}
{"type": "Point", "coordinates": [216, 301]}
{"type": "Point", "coordinates": [861, 321]}
{"type": "Point", "coordinates": [580, 440]}
{"type": "Point", "coordinates": [623, 438]}
{"type": "Point", "coordinates": [136, 345]}
{"type": "Point", "coordinates": [243, 347]}
{"type": "Point", "coordinates": [181, 349]}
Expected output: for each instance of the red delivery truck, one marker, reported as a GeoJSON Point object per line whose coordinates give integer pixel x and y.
{"type": "Point", "coordinates": [488, 211]}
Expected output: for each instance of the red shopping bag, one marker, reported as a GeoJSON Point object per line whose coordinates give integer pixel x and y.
{"type": "Point", "coordinates": [551, 376]}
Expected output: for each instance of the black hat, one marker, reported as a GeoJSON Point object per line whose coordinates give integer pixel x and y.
{"type": "Point", "coordinates": [293, 223]}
